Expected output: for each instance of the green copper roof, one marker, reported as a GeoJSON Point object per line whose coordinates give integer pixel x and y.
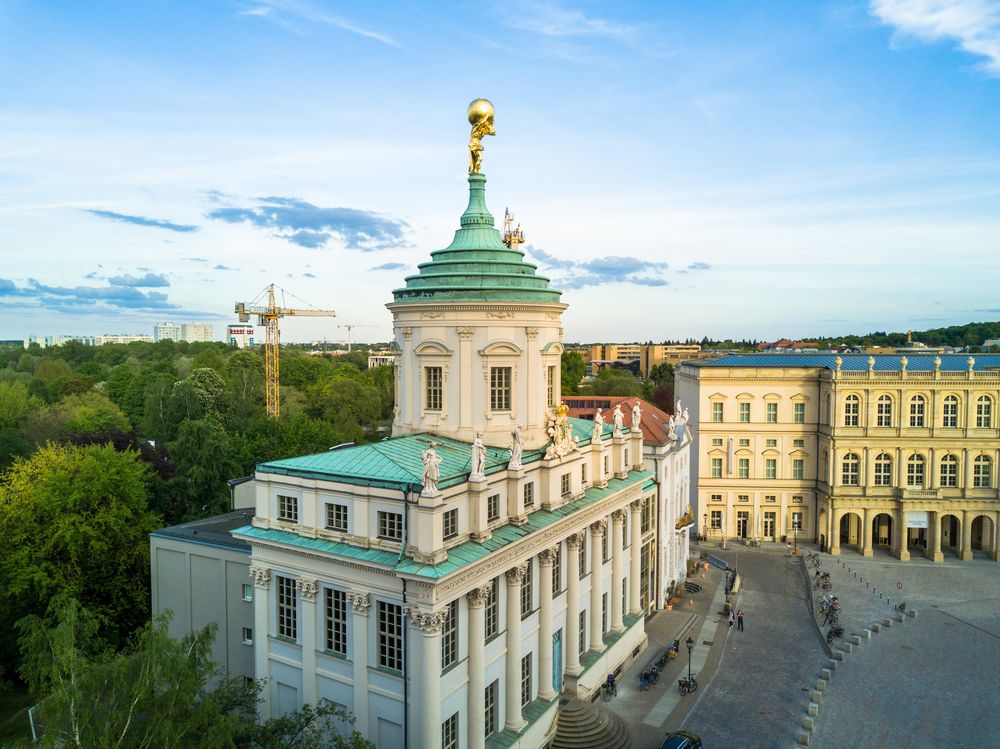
{"type": "Point", "coordinates": [477, 265]}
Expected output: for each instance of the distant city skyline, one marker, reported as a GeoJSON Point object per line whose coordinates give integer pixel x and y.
{"type": "Point", "coordinates": [735, 170]}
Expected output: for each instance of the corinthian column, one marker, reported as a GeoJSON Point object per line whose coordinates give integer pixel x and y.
{"type": "Point", "coordinates": [597, 531]}
{"type": "Point", "coordinates": [514, 720]}
{"type": "Point", "coordinates": [360, 604]}
{"type": "Point", "coordinates": [617, 539]}
{"type": "Point", "coordinates": [477, 598]}
{"type": "Point", "coordinates": [545, 676]}
{"type": "Point", "coordinates": [573, 545]}
{"type": "Point", "coordinates": [307, 592]}
{"type": "Point", "coordinates": [426, 675]}
{"type": "Point", "coordinates": [261, 577]}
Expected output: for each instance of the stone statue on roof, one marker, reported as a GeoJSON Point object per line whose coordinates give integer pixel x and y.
{"type": "Point", "coordinates": [478, 460]}
{"type": "Point", "coordinates": [619, 420]}
{"type": "Point", "coordinates": [432, 471]}
{"type": "Point", "coordinates": [598, 425]}
{"type": "Point", "coordinates": [516, 447]}
{"type": "Point", "coordinates": [636, 415]}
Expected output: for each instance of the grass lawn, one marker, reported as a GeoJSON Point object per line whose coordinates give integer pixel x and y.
{"type": "Point", "coordinates": [14, 704]}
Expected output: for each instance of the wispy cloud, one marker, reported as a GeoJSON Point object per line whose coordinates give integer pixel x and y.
{"type": "Point", "coordinates": [699, 266]}
{"type": "Point", "coordinates": [973, 24]}
{"type": "Point", "coordinates": [551, 20]}
{"type": "Point", "coordinates": [149, 280]}
{"type": "Point", "coordinates": [195, 259]}
{"type": "Point", "coordinates": [309, 275]}
{"type": "Point", "coordinates": [290, 13]}
{"type": "Point", "coordinates": [143, 221]}
{"type": "Point", "coordinates": [602, 270]}
{"type": "Point", "coordinates": [389, 266]}
{"type": "Point", "coordinates": [220, 266]}
{"type": "Point", "coordinates": [76, 297]}
{"type": "Point", "coordinates": [311, 226]}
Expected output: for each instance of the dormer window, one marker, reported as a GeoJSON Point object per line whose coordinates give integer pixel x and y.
{"type": "Point", "coordinates": [288, 509]}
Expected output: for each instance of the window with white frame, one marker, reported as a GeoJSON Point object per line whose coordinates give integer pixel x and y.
{"type": "Point", "coordinates": [744, 442]}
{"type": "Point", "coordinates": [716, 468]}
{"type": "Point", "coordinates": [797, 499]}
{"type": "Point", "coordinates": [744, 412]}
{"type": "Point", "coordinates": [949, 412]}
{"type": "Point", "coordinates": [582, 559]}
{"type": "Point", "coordinates": [556, 571]}
{"type": "Point", "coordinates": [770, 468]}
{"type": "Point", "coordinates": [604, 612]}
{"type": "Point", "coordinates": [915, 471]}
{"type": "Point", "coordinates": [852, 409]}
{"type": "Point", "coordinates": [449, 733]}
{"type": "Point", "coordinates": [390, 636]}
{"type": "Point", "coordinates": [771, 498]}
{"type": "Point", "coordinates": [716, 520]}
{"type": "Point", "coordinates": [798, 443]}
{"type": "Point", "coordinates": [742, 497]}
{"type": "Point", "coordinates": [583, 632]}
{"type": "Point", "coordinates": [493, 507]}
{"type": "Point", "coordinates": [450, 524]}
{"type": "Point", "coordinates": [526, 592]}
{"type": "Point", "coordinates": [449, 635]}
{"type": "Point", "coordinates": [500, 388]}
{"type": "Point", "coordinates": [604, 546]}
{"type": "Point", "coordinates": [550, 385]}
{"type": "Point", "coordinates": [390, 525]}
{"type": "Point", "coordinates": [529, 494]}
{"type": "Point", "coordinates": [336, 517]}
{"type": "Point", "coordinates": [247, 635]}
{"type": "Point", "coordinates": [743, 468]}
{"type": "Point", "coordinates": [287, 608]}
{"type": "Point", "coordinates": [771, 412]}
{"type": "Point", "coordinates": [716, 441]}
{"type": "Point", "coordinates": [949, 471]}
{"type": "Point", "coordinates": [716, 498]}
{"type": "Point", "coordinates": [335, 620]}
{"type": "Point", "coordinates": [288, 508]}
{"type": "Point", "coordinates": [883, 411]}
{"type": "Point", "coordinates": [491, 703]}
{"type": "Point", "coordinates": [717, 412]}
{"type": "Point", "coordinates": [770, 443]}
{"type": "Point", "coordinates": [981, 473]}
{"type": "Point", "coordinates": [433, 388]}
{"type": "Point", "coordinates": [883, 470]}
{"type": "Point", "coordinates": [851, 470]}
{"type": "Point", "coordinates": [799, 413]}
{"type": "Point", "coordinates": [918, 406]}
{"type": "Point", "coordinates": [247, 592]}
{"type": "Point", "coordinates": [984, 412]}
{"type": "Point", "coordinates": [493, 610]}
{"type": "Point", "coordinates": [798, 468]}
{"type": "Point", "coordinates": [647, 518]}
{"type": "Point", "coordinates": [564, 484]}
{"type": "Point", "coordinates": [526, 680]}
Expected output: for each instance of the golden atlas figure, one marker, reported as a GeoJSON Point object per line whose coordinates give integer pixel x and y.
{"type": "Point", "coordinates": [481, 119]}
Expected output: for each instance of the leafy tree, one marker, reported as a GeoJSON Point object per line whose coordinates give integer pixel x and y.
{"type": "Point", "coordinates": [15, 402]}
{"type": "Point", "coordinates": [573, 370]}
{"type": "Point", "coordinates": [209, 359]}
{"type": "Point", "coordinates": [272, 439]}
{"type": "Point", "coordinates": [245, 371]}
{"type": "Point", "coordinates": [201, 455]}
{"type": "Point", "coordinates": [74, 415]}
{"type": "Point", "coordinates": [75, 520]}
{"type": "Point", "coordinates": [201, 395]}
{"type": "Point", "coordinates": [616, 382]}
{"type": "Point", "coordinates": [349, 405]}
{"type": "Point", "coordinates": [12, 445]}
{"type": "Point", "coordinates": [155, 412]}
{"type": "Point", "coordinates": [662, 374]}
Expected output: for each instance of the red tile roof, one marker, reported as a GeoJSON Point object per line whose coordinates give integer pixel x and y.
{"type": "Point", "coordinates": [654, 421]}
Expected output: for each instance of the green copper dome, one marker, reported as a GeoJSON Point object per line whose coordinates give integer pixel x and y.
{"type": "Point", "coordinates": [477, 266]}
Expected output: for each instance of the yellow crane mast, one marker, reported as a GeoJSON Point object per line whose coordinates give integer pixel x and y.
{"type": "Point", "coordinates": [268, 317]}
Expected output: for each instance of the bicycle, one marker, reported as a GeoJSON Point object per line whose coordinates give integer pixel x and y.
{"type": "Point", "coordinates": [901, 608]}
{"type": "Point", "coordinates": [610, 689]}
{"type": "Point", "coordinates": [833, 634]}
{"type": "Point", "coordinates": [687, 686]}
{"type": "Point", "coordinates": [654, 675]}
{"type": "Point", "coordinates": [644, 681]}
{"type": "Point", "coordinates": [831, 617]}
{"type": "Point", "coordinates": [813, 559]}
{"type": "Point", "coordinates": [823, 584]}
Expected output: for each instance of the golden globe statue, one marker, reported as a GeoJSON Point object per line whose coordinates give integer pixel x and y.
{"type": "Point", "coordinates": [481, 118]}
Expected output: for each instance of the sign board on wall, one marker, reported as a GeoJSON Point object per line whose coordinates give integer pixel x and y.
{"type": "Point", "coordinates": [917, 519]}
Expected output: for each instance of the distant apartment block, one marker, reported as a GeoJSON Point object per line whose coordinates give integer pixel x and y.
{"type": "Point", "coordinates": [100, 340]}
{"type": "Point", "coordinates": [240, 336]}
{"type": "Point", "coordinates": [166, 331]}
{"type": "Point", "coordinates": [57, 340]}
{"type": "Point", "coordinates": [197, 332]}
{"type": "Point", "coordinates": [639, 357]}
{"type": "Point", "coordinates": [381, 359]}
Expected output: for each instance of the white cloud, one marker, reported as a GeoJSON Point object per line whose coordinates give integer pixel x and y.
{"type": "Point", "coordinates": [279, 11]}
{"type": "Point", "coordinates": [553, 21]}
{"type": "Point", "coordinates": [974, 24]}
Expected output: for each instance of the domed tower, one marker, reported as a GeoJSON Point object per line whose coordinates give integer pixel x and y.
{"type": "Point", "coordinates": [478, 331]}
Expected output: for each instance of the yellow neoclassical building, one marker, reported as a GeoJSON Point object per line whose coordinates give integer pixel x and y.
{"type": "Point", "coordinates": [870, 452]}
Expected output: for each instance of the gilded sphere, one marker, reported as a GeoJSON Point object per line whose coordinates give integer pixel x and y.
{"type": "Point", "coordinates": [480, 110]}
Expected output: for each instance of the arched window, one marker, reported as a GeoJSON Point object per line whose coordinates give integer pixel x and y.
{"type": "Point", "coordinates": [915, 471]}
{"type": "Point", "coordinates": [851, 472]}
{"type": "Point", "coordinates": [950, 413]}
{"type": "Point", "coordinates": [949, 471]}
{"type": "Point", "coordinates": [981, 472]}
{"type": "Point", "coordinates": [883, 470]}
{"type": "Point", "coordinates": [883, 412]}
{"type": "Point", "coordinates": [917, 407]}
{"type": "Point", "coordinates": [984, 412]}
{"type": "Point", "coordinates": [852, 407]}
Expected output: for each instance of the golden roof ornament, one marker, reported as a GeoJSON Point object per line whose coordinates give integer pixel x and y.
{"type": "Point", "coordinates": [481, 118]}
{"type": "Point", "coordinates": [512, 237]}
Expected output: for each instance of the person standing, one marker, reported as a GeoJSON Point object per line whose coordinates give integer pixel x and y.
{"type": "Point", "coordinates": [739, 620]}
{"type": "Point", "coordinates": [730, 618]}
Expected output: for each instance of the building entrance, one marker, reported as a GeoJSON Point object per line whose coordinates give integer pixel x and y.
{"type": "Point", "coordinates": [742, 524]}
{"type": "Point", "coordinates": [769, 524]}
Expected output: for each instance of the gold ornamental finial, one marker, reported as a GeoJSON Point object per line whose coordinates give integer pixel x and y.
{"type": "Point", "coordinates": [481, 118]}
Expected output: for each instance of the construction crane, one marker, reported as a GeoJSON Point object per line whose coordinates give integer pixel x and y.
{"type": "Point", "coordinates": [350, 333]}
{"type": "Point", "coordinates": [268, 317]}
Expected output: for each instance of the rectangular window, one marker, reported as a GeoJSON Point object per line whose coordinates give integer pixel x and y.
{"type": "Point", "coordinates": [797, 499]}
{"type": "Point", "coordinates": [583, 474]}
{"type": "Point", "coordinates": [390, 526]}
{"type": "Point", "coordinates": [247, 592]}
{"type": "Point", "coordinates": [450, 524]}
{"type": "Point", "coordinates": [770, 443]}
{"type": "Point", "coordinates": [770, 468]}
{"type": "Point", "coordinates": [336, 517]}
{"type": "Point", "coordinates": [716, 498]}
{"type": "Point", "coordinates": [493, 610]}
{"type": "Point", "coordinates": [716, 468]}
{"type": "Point", "coordinates": [490, 722]}
{"type": "Point", "coordinates": [493, 507]}
{"type": "Point", "coordinates": [529, 495]}
{"type": "Point", "coordinates": [742, 497]}
{"type": "Point", "coordinates": [799, 413]}
{"type": "Point", "coordinates": [716, 441]}
{"type": "Point", "coordinates": [798, 443]}
{"type": "Point", "coordinates": [604, 612]}
{"type": "Point", "coordinates": [797, 520]}
{"type": "Point", "coordinates": [390, 636]}
{"type": "Point", "coordinates": [744, 413]}
{"type": "Point", "coordinates": [772, 413]}
{"type": "Point", "coordinates": [526, 680]}
{"type": "Point", "coordinates": [288, 509]}
{"type": "Point", "coordinates": [604, 546]}
{"type": "Point", "coordinates": [716, 520]}
{"type": "Point", "coordinates": [607, 465]}
{"type": "Point", "coordinates": [564, 483]}
{"type": "Point", "coordinates": [287, 608]}
{"type": "Point", "coordinates": [583, 631]}
{"type": "Point", "coordinates": [526, 592]}
{"type": "Point", "coordinates": [770, 497]}
{"type": "Point", "coordinates": [744, 442]}
{"type": "Point", "coordinates": [500, 388]}
{"type": "Point", "coordinates": [717, 413]}
{"type": "Point", "coordinates": [556, 571]}
{"type": "Point", "coordinates": [449, 635]}
{"type": "Point", "coordinates": [551, 385]}
{"type": "Point", "coordinates": [449, 733]}
{"type": "Point", "coordinates": [798, 468]}
{"type": "Point", "coordinates": [647, 517]}
{"type": "Point", "coordinates": [744, 468]}
{"type": "Point", "coordinates": [583, 559]}
{"type": "Point", "coordinates": [247, 636]}
{"type": "Point", "coordinates": [433, 391]}
{"type": "Point", "coordinates": [335, 616]}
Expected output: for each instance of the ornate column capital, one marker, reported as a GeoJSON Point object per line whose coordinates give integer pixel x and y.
{"type": "Point", "coordinates": [360, 602]}
{"type": "Point", "coordinates": [575, 541]}
{"type": "Point", "coordinates": [479, 596]}
{"type": "Point", "coordinates": [307, 588]}
{"type": "Point", "coordinates": [407, 333]}
{"type": "Point", "coordinates": [261, 577]}
{"type": "Point", "coordinates": [599, 527]}
{"type": "Point", "coordinates": [636, 506]}
{"type": "Point", "coordinates": [618, 516]}
{"type": "Point", "coordinates": [516, 575]}
{"type": "Point", "coordinates": [532, 333]}
{"type": "Point", "coordinates": [465, 332]}
{"type": "Point", "coordinates": [428, 622]}
{"type": "Point", "coordinates": [549, 556]}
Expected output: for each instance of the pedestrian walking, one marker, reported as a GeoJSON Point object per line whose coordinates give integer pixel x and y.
{"type": "Point", "coordinates": [739, 620]}
{"type": "Point", "coordinates": [730, 619]}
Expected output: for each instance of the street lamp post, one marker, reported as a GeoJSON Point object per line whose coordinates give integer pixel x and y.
{"type": "Point", "coordinates": [690, 643]}
{"type": "Point", "coordinates": [795, 539]}
{"type": "Point", "coordinates": [704, 525]}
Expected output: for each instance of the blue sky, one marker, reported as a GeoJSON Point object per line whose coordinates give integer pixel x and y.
{"type": "Point", "coordinates": [679, 168]}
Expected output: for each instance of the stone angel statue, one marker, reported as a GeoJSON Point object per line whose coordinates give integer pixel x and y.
{"type": "Point", "coordinates": [598, 425]}
{"type": "Point", "coordinates": [478, 460]}
{"type": "Point", "coordinates": [432, 471]}
{"type": "Point", "coordinates": [636, 415]}
{"type": "Point", "coordinates": [516, 447]}
{"type": "Point", "coordinates": [619, 420]}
